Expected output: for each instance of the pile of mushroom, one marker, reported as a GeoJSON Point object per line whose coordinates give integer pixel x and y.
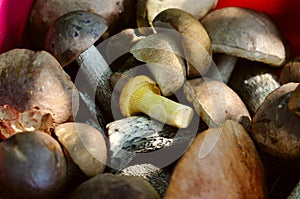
{"type": "Point", "coordinates": [179, 100]}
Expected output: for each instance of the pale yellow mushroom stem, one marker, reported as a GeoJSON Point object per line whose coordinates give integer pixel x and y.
{"type": "Point", "coordinates": [146, 99]}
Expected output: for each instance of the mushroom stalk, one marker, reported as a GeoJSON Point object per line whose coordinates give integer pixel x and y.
{"type": "Point", "coordinates": [96, 72]}
{"type": "Point", "coordinates": [141, 95]}
{"type": "Point", "coordinates": [225, 65]}
{"type": "Point", "coordinates": [163, 109]}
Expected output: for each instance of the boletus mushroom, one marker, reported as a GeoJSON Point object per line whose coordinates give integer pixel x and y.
{"type": "Point", "coordinates": [72, 37]}
{"type": "Point", "coordinates": [244, 33]}
{"type": "Point", "coordinates": [44, 13]}
{"type": "Point", "coordinates": [141, 95]}
{"type": "Point", "coordinates": [163, 56]}
{"type": "Point", "coordinates": [274, 127]}
{"type": "Point", "coordinates": [32, 80]}
{"type": "Point", "coordinates": [195, 40]}
{"type": "Point", "coordinates": [220, 163]}
{"type": "Point", "coordinates": [85, 145]}
{"type": "Point", "coordinates": [148, 9]}
{"type": "Point", "coordinates": [215, 102]}
{"type": "Point", "coordinates": [114, 186]}
{"type": "Point", "coordinates": [32, 165]}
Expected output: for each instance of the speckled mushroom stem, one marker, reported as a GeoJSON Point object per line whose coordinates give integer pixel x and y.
{"type": "Point", "coordinates": [96, 71]}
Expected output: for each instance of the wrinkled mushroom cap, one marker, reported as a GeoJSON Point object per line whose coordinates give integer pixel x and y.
{"type": "Point", "coordinates": [127, 97]}
{"type": "Point", "coordinates": [245, 33]}
{"type": "Point", "coordinates": [35, 81]}
{"type": "Point", "coordinates": [73, 33]}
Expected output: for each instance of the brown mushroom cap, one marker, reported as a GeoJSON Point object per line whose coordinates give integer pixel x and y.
{"type": "Point", "coordinates": [45, 13]}
{"type": "Point", "coordinates": [148, 9]}
{"type": "Point", "coordinates": [220, 163]}
{"type": "Point", "coordinates": [35, 80]}
{"type": "Point", "coordinates": [291, 71]}
{"type": "Point", "coordinates": [163, 54]}
{"type": "Point", "coordinates": [72, 34]}
{"type": "Point", "coordinates": [245, 33]}
{"type": "Point", "coordinates": [215, 102]}
{"type": "Point", "coordinates": [86, 146]}
{"type": "Point", "coordinates": [114, 186]}
{"type": "Point", "coordinates": [196, 42]}
{"type": "Point", "coordinates": [294, 101]}
{"type": "Point", "coordinates": [274, 127]}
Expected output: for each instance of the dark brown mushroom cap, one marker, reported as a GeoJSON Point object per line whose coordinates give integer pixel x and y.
{"type": "Point", "coordinates": [73, 33]}
{"type": "Point", "coordinates": [274, 127]}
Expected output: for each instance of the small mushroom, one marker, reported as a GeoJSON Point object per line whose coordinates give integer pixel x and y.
{"type": "Point", "coordinates": [32, 80]}
{"type": "Point", "coordinates": [294, 101]}
{"type": "Point", "coordinates": [220, 163]}
{"type": "Point", "coordinates": [291, 71]}
{"type": "Point", "coordinates": [244, 33]}
{"type": "Point", "coordinates": [274, 128]}
{"type": "Point", "coordinates": [164, 58]}
{"type": "Point", "coordinates": [148, 9]}
{"type": "Point", "coordinates": [44, 13]}
{"type": "Point", "coordinates": [71, 38]}
{"type": "Point", "coordinates": [141, 95]}
{"type": "Point", "coordinates": [32, 165]}
{"type": "Point", "coordinates": [215, 102]}
{"type": "Point", "coordinates": [85, 145]}
{"type": "Point", "coordinates": [114, 186]}
{"type": "Point", "coordinates": [195, 40]}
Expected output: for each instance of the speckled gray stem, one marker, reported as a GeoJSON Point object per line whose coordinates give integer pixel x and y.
{"type": "Point", "coordinates": [97, 73]}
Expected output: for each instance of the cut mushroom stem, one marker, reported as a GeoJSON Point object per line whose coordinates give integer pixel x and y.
{"type": "Point", "coordinates": [141, 95]}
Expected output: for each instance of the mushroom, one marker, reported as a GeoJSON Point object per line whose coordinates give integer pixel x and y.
{"type": "Point", "coordinates": [195, 40]}
{"type": "Point", "coordinates": [291, 71]}
{"type": "Point", "coordinates": [32, 166]}
{"type": "Point", "coordinates": [114, 186]}
{"type": "Point", "coordinates": [244, 33]}
{"type": "Point", "coordinates": [148, 9]}
{"type": "Point", "coordinates": [71, 38]}
{"type": "Point", "coordinates": [85, 145]}
{"type": "Point", "coordinates": [32, 80]}
{"type": "Point", "coordinates": [164, 58]}
{"type": "Point", "coordinates": [140, 139]}
{"type": "Point", "coordinates": [118, 14]}
{"type": "Point", "coordinates": [158, 177]}
{"type": "Point", "coordinates": [274, 128]}
{"type": "Point", "coordinates": [215, 102]}
{"type": "Point", "coordinates": [141, 95]}
{"type": "Point", "coordinates": [220, 163]}
{"type": "Point", "coordinates": [253, 82]}
{"type": "Point", "coordinates": [294, 101]}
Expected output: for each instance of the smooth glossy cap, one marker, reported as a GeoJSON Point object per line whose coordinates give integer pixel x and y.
{"type": "Point", "coordinates": [73, 33]}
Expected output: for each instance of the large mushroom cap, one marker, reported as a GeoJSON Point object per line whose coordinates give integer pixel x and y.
{"type": "Point", "coordinates": [245, 33]}
{"type": "Point", "coordinates": [35, 81]}
{"type": "Point", "coordinates": [73, 33]}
